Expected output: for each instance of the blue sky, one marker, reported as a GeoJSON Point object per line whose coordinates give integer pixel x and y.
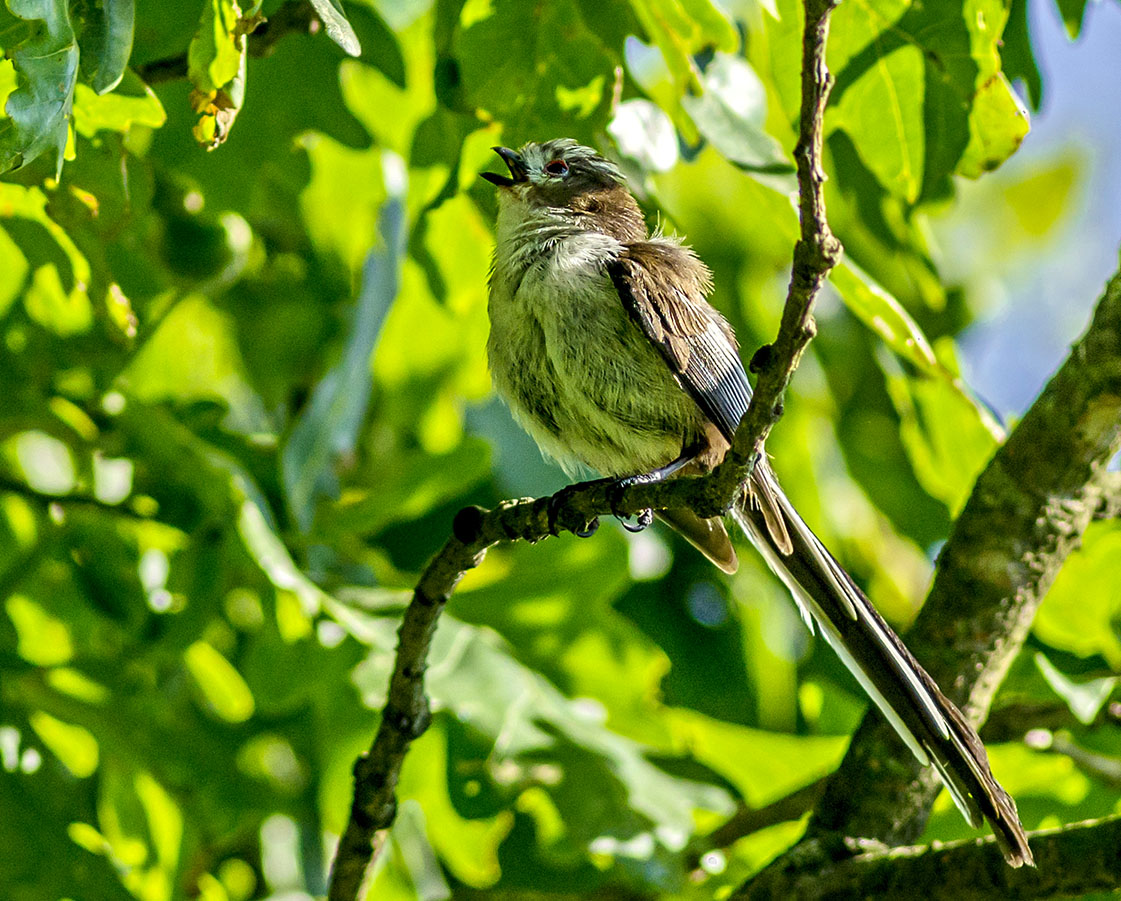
{"type": "Point", "coordinates": [1047, 296]}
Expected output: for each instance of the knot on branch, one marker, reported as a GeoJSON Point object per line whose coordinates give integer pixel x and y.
{"type": "Point", "coordinates": [815, 255]}
{"type": "Point", "coordinates": [762, 360]}
{"type": "Point", "coordinates": [468, 524]}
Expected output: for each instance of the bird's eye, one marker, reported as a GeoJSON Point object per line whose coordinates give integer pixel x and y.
{"type": "Point", "coordinates": [557, 167]}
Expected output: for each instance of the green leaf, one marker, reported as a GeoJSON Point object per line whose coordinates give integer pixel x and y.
{"type": "Point", "coordinates": [1073, 13]}
{"type": "Point", "coordinates": [194, 355]}
{"type": "Point", "coordinates": [338, 28]}
{"type": "Point", "coordinates": [133, 103]}
{"type": "Point", "coordinates": [73, 745]}
{"type": "Point", "coordinates": [776, 764]}
{"type": "Point", "coordinates": [216, 66]}
{"type": "Point", "coordinates": [380, 45]}
{"type": "Point", "coordinates": [885, 316]}
{"type": "Point", "coordinates": [998, 125]}
{"type": "Point", "coordinates": [222, 686]}
{"type": "Point", "coordinates": [57, 297]}
{"type": "Point", "coordinates": [1082, 607]}
{"type": "Point", "coordinates": [1017, 56]}
{"type": "Point", "coordinates": [106, 42]}
{"type": "Point", "coordinates": [645, 134]}
{"type": "Point", "coordinates": [1085, 699]}
{"type": "Point", "coordinates": [920, 93]}
{"type": "Point", "coordinates": [731, 113]}
{"type": "Point", "coordinates": [879, 113]}
{"type": "Point", "coordinates": [467, 844]}
{"type": "Point", "coordinates": [47, 66]}
{"type": "Point", "coordinates": [43, 639]}
{"type": "Point", "coordinates": [532, 73]}
{"type": "Point", "coordinates": [214, 55]}
{"type": "Point", "coordinates": [682, 29]}
{"type": "Point", "coordinates": [948, 437]}
{"type": "Point", "coordinates": [329, 426]}
{"type": "Point", "coordinates": [409, 486]}
{"type": "Point", "coordinates": [528, 725]}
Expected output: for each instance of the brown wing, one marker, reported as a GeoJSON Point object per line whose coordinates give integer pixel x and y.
{"type": "Point", "coordinates": [663, 287]}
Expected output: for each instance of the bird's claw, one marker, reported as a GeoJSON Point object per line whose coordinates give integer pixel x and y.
{"type": "Point", "coordinates": [641, 521]}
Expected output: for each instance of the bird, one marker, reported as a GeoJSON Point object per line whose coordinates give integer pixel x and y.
{"type": "Point", "coordinates": [606, 351]}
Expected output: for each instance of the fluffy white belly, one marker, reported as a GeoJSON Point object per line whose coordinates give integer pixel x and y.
{"type": "Point", "coordinates": [577, 372]}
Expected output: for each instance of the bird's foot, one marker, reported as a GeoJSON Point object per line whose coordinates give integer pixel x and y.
{"type": "Point", "coordinates": [562, 518]}
{"type": "Point", "coordinates": [642, 519]}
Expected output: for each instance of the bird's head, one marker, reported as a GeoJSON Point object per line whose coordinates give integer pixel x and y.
{"type": "Point", "coordinates": [568, 180]}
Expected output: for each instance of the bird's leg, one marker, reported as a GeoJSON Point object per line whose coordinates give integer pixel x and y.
{"type": "Point", "coordinates": [645, 517]}
{"type": "Point", "coordinates": [615, 487]}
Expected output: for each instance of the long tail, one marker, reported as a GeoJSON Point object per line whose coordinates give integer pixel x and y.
{"type": "Point", "coordinates": [933, 728]}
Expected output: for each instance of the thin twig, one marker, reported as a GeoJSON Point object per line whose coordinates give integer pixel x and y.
{"type": "Point", "coordinates": [748, 820]}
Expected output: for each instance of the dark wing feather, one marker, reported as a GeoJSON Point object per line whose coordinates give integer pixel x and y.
{"type": "Point", "coordinates": [663, 286]}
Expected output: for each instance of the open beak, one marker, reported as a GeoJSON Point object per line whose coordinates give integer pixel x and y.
{"type": "Point", "coordinates": [514, 163]}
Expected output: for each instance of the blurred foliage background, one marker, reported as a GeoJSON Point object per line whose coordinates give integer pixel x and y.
{"type": "Point", "coordinates": [243, 259]}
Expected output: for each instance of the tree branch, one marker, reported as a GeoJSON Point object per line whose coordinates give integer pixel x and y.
{"type": "Point", "coordinates": [1072, 861]}
{"type": "Point", "coordinates": [1027, 512]}
{"type": "Point", "coordinates": [475, 530]}
{"type": "Point", "coordinates": [748, 820]}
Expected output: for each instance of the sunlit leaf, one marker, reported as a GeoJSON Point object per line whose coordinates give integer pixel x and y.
{"type": "Point", "coordinates": [948, 437]}
{"type": "Point", "coordinates": [469, 846]}
{"type": "Point", "coordinates": [682, 28]}
{"type": "Point", "coordinates": [132, 103]}
{"type": "Point", "coordinates": [889, 133]}
{"type": "Point", "coordinates": [643, 132]}
{"type": "Point", "coordinates": [338, 28]}
{"type": "Point", "coordinates": [885, 316]}
{"type": "Point", "coordinates": [71, 744]}
{"type": "Point", "coordinates": [920, 92]}
{"type": "Point", "coordinates": [44, 640]}
{"type": "Point", "coordinates": [214, 56]}
{"type": "Point", "coordinates": [220, 683]}
{"type": "Point", "coordinates": [47, 65]}
{"type": "Point", "coordinates": [216, 67]}
{"type": "Point", "coordinates": [1000, 123]}
{"type": "Point", "coordinates": [731, 113]}
{"type": "Point", "coordinates": [165, 822]}
{"type": "Point", "coordinates": [537, 724]}
{"type": "Point", "coordinates": [63, 306]}
{"type": "Point", "coordinates": [1085, 699]}
{"type": "Point", "coordinates": [1081, 608]}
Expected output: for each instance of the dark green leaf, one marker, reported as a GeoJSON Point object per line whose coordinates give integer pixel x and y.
{"type": "Point", "coordinates": [379, 44]}
{"type": "Point", "coordinates": [1073, 13]}
{"type": "Point", "coordinates": [1016, 54]}
{"type": "Point", "coordinates": [329, 426]}
{"type": "Point", "coordinates": [534, 73]}
{"type": "Point", "coordinates": [106, 43]}
{"type": "Point", "coordinates": [47, 66]}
